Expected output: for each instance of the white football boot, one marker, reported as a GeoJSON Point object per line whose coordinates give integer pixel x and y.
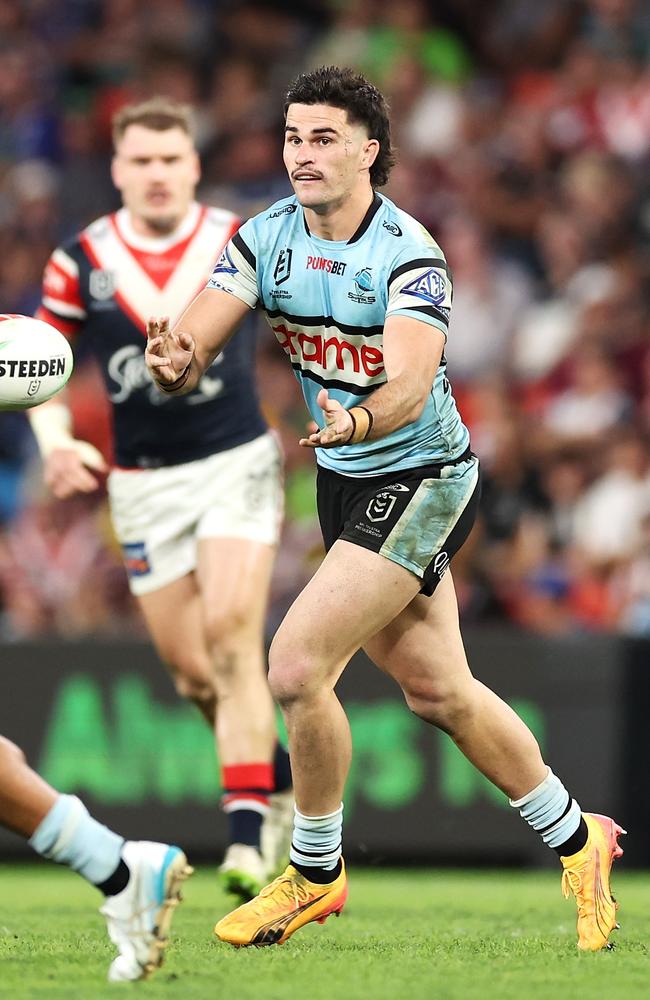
{"type": "Point", "coordinates": [140, 916]}
{"type": "Point", "coordinates": [277, 830]}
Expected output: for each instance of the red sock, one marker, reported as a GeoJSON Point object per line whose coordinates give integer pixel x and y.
{"type": "Point", "coordinates": [245, 800]}
{"type": "Point", "coordinates": [247, 786]}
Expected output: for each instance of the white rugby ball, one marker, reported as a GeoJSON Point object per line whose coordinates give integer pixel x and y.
{"type": "Point", "coordinates": [35, 361]}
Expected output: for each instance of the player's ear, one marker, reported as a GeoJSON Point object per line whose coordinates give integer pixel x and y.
{"type": "Point", "coordinates": [116, 173]}
{"type": "Point", "coordinates": [196, 168]}
{"type": "Point", "coordinates": [370, 153]}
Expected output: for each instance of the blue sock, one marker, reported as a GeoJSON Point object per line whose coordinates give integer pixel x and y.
{"type": "Point", "coordinates": [317, 840]}
{"type": "Point", "coordinates": [70, 836]}
{"type": "Point", "coordinates": [551, 811]}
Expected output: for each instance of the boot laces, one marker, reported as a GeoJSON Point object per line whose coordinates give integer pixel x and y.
{"type": "Point", "coordinates": [572, 882]}
{"type": "Point", "coordinates": [285, 888]}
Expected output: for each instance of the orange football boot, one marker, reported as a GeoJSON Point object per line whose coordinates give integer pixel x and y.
{"type": "Point", "coordinates": [586, 875]}
{"type": "Point", "coordinates": [289, 902]}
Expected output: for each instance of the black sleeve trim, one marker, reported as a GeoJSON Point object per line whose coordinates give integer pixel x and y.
{"type": "Point", "coordinates": [247, 254]}
{"type": "Point", "coordinates": [429, 311]}
{"type": "Point", "coordinates": [420, 262]}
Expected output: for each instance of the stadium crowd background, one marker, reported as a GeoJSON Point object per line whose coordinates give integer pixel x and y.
{"type": "Point", "coordinates": [523, 130]}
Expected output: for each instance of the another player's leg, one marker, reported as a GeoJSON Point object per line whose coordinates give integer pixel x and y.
{"type": "Point", "coordinates": [353, 595]}
{"type": "Point", "coordinates": [140, 880]}
{"type": "Point", "coordinates": [234, 577]}
{"type": "Point", "coordinates": [423, 651]}
{"type": "Point", "coordinates": [175, 617]}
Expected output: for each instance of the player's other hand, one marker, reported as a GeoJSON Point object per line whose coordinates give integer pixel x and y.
{"type": "Point", "coordinates": [167, 353]}
{"type": "Point", "coordinates": [73, 469]}
{"type": "Point", "coordinates": [338, 424]}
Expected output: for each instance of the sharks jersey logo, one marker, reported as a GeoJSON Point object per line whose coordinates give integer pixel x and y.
{"type": "Point", "coordinates": [429, 286]}
{"type": "Point", "coordinates": [364, 287]}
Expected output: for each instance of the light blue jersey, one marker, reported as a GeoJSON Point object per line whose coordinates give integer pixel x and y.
{"type": "Point", "coordinates": [327, 302]}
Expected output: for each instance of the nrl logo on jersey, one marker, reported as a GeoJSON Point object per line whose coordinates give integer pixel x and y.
{"type": "Point", "coordinates": [364, 287]}
{"type": "Point", "coordinates": [282, 270]}
{"type": "Point", "coordinates": [102, 284]}
{"type": "Point", "coordinates": [430, 286]}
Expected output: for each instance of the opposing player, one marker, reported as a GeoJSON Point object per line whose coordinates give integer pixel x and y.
{"type": "Point", "coordinates": [196, 493]}
{"type": "Point", "coordinates": [141, 880]}
{"type": "Point", "coordinates": [358, 295]}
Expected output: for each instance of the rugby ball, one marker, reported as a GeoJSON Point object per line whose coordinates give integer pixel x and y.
{"type": "Point", "coordinates": [35, 361]}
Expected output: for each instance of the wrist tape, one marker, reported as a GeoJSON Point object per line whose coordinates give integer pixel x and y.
{"type": "Point", "coordinates": [362, 421]}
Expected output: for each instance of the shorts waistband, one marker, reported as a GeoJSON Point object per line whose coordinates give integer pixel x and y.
{"type": "Point", "coordinates": [431, 470]}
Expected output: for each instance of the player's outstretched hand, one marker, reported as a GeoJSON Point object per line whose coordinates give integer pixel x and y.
{"type": "Point", "coordinates": [338, 424]}
{"type": "Point", "coordinates": [167, 353]}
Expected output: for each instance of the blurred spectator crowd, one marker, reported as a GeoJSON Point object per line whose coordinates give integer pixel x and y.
{"type": "Point", "coordinates": [523, 131]}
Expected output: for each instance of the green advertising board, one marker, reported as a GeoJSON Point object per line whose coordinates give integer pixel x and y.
{"type": "Point", "coordinates": [102, 720]}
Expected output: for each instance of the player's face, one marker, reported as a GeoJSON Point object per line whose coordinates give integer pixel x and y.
{"type": "Point", "coordinates": [156, 174]}
{"type": "Point", "coordinates": [327, 157]}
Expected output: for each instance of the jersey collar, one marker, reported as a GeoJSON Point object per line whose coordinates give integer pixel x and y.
{"type": "Point", "coordinates": [156, 244]}
{"type": "Point", "coordinates": [363, 226]}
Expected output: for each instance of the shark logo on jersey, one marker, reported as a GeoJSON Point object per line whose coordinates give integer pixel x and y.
{"type": "Point", "coordinates": [225, 265]}
{"type": "Point", "coordinates": [364, 285]}
{"type": "Point", "coordinates": [283, 266]}
{"type": "Point", "coordinates": [430, 286]}
{"type": "Point", "coordinates": [102, 284]}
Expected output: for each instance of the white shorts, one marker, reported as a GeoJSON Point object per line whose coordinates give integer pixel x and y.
{"type": "Point", "coordinates": [158, 514]}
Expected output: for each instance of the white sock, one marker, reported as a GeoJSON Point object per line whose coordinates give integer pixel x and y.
{"type": "Point", "coordinates": [317, 840]}
{"type": "Point", "coordinates": [69, 835]}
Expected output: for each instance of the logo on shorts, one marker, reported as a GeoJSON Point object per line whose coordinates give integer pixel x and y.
{"type": "Point", "coordinates": [102, 283]}
{"type": "Point", "coordinates": [441, 564]}
{"type": "Point", "coordinates": [380, 507]}
{"type": "Point", "coordinates": [136, 559]}
{"type": "Point", "coordinates": [398, 487]}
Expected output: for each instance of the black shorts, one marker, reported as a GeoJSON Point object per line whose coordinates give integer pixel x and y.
{"type": "Point", "coordinates": [418, 518]}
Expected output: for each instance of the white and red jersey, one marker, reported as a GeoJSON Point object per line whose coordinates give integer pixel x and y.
{"type": "Point", "coordinates": [104, 285]}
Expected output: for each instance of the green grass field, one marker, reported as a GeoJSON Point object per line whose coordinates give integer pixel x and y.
{"type": "Point", "coordinates": [404, 934]}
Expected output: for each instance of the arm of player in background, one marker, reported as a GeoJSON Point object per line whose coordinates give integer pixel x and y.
{"type": "Point", "coordinates": [412, 354]}
{"type": "Point", "coordinates": [69, 465]}
{"type": "Point", "coordinates": [198, 337]}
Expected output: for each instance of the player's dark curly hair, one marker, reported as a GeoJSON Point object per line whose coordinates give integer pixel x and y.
{"type": "Point", "coordinates": [365, 105]}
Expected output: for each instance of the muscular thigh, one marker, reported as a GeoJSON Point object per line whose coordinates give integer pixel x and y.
{"type": "Point", "coordinates": [354, 594]}
{"type": "Point", "coordinates": [173, 615]}
{"type": "Point", "coordinates": [233, 578]}
{"type": "Point", "coordinates": [423, 644]}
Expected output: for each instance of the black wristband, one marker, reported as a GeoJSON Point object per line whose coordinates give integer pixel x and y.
{"type": "Point", "coordinates": [177, 383]}
{"type": "Point", "coordinates": [354, 427]}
